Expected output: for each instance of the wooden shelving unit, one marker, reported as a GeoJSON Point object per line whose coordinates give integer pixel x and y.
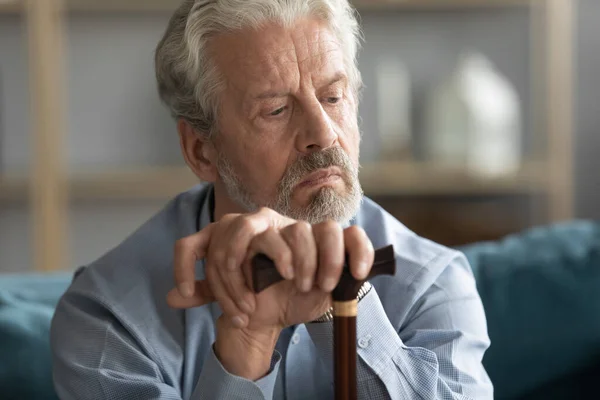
{"type": "Point", "coordinates": [49, 188]}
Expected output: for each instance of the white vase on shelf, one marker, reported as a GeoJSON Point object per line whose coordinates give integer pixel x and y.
{"type": "Point", "coordinates": [474, 121]}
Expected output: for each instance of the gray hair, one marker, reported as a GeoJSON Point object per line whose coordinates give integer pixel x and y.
{"type": "Point", "coordinates": [189, 83]}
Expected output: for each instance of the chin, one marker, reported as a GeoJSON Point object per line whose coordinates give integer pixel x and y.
{"type": "Point", "coordinates": [328, 203]}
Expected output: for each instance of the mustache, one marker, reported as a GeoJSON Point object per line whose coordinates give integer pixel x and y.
{"type": "Point", "coordinates": [331, 157]}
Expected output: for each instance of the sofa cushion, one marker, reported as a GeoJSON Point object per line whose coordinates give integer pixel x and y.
{"type": "Point", "coordinates": [26, 307]}
{"type": "Point", "coordinates": [541, 294]}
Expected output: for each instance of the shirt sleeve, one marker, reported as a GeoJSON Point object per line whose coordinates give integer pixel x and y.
{"type": "Point", "coordinates": [437, 352]}
{"type": "Point", "coordinates": [216, 383]}
{"type": "Point", "coordinates": [96, 357]}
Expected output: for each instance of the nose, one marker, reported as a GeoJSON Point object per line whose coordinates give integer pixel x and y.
{"type": "Point", "coordinates": [317, 132]}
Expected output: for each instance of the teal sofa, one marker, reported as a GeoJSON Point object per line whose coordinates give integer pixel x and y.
{"type": "Point", "coordinates": [540, 290]}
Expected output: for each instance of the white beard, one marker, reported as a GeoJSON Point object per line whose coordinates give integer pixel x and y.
{"type": "Point", "coordinates": [327, 203]}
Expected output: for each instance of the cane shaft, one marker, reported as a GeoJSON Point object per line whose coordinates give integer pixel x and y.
{"type": "Point", "coordinates": [344, 347]}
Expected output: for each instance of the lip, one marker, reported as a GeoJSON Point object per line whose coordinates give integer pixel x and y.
{"type": "Point", "coordinates": [321, 176]}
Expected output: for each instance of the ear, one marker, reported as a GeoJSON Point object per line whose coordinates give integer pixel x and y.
{"type": "Point", "coordinates": [198, 151]}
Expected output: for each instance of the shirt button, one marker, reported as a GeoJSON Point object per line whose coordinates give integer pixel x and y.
{"type": "Point", "coordinates": [364, 342]}
{"type": "Point", "coordinates": [296, 339]}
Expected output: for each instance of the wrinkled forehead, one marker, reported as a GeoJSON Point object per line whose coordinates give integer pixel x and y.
{"type": "Point", "coordinates": [252, 58]}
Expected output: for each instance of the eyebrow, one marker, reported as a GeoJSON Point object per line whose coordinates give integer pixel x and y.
{"type": "Point", "coordinates": [340, 76]}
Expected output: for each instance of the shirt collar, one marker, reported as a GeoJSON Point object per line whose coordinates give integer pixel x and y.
{"type": "Point", "coordinates": [207, 210]}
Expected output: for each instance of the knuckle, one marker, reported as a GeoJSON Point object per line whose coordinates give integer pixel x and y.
{"type": "Point", "coordinates": [245, 223]}
{"type": "Point", "coordinates": [266, 211]}
{"type": "Point", "coordinates": [303, 226]}
{"type": "Point", "coordinates": [354, 231]}
{"type": "Point", "coordinates": [296, 232]}
{"type": "Point", "coordinates": [331, 226]}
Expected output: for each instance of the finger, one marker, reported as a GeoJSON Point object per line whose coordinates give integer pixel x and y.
{"type": "Point", "coordinates": [272, 244]}
{"type": "Point", "coordinates": [330, 253]}
{"type": "Point", "coordinates": [360, 252]}
{"type": "Point", "coordinates": [301, 241]}
{"type": "Point", "coordinates": [202, 295]}
{"type": "Point", "coordinates": [228, 306]}
{"type": "Point", "coordinates": [248, 226]}
{"type": "Point", "coordinates": [234, 282]}
{"type": "Point", "coordinates": [187, 251]}
{"type": "Point", "coordinates": [230, 256]}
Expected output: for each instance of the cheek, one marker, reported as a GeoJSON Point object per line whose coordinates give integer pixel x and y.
{"type": "Point", "coordinates": [265, 164]}
{"type": "Point", "coordinates": [350, 137]}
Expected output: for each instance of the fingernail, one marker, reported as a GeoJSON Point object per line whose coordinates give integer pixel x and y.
{"type": "Point", "coordinates": [238, 321]}
{"type": "Point", "coordinates": [289, 272]}
{"type": "Point", "coordinates": [186, 289]}
{"type": "Point", "coordinates": [306, 285]}
{"type": "Point", "coordinates": [329, 284]}
{"type": "Point", "coordinates": [363, 269]}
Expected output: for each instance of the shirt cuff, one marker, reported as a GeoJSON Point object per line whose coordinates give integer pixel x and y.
{"type": "Point", "coordinates": [377, 340]}
{"type": "Point", "coordinates": [216, 383]}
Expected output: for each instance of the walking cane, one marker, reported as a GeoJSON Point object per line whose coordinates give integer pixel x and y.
{"type": "Point", "coordinates": [264, 274]}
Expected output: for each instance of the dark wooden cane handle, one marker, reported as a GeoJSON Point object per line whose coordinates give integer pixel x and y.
{"type": "Point", "coordinates": [264, 273]}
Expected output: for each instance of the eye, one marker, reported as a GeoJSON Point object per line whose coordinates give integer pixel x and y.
{"type": "Point", "coordinates": [333, 100]}
{"type": "Point", "coordinates": [277, 112]}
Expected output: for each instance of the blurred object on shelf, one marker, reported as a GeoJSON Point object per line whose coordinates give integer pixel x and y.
{"type": "Point", "coordinates": [473, 120]}
{"type": "Point", "coordinates": [495, 128]}
{"type": "Point", "coordinates": [394, 108]}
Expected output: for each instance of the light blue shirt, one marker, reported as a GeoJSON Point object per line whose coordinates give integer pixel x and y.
{"type": "Point", "coordinates": [421, 334]}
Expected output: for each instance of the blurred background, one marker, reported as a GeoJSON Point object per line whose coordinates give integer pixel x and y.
{"type": "Point", "coordinates": [479, 120]}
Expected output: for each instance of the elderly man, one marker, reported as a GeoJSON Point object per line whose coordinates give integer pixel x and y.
{"type": "Point", "coordinates": [265, 94]}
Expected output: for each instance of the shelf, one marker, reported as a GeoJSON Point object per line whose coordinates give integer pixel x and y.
{"type": "Point", "coordinates": [149, 184]}
{"type": "Point", "coordinates": [394, 178]}
{"type": "Point", "coordinates": [10, 6]}
{"type": "Point", "coordinates": [128, 184]}
{"type": "Point", "coordinates": [408, 178]}
{"type": "Point", "coordinates": [13, 6]}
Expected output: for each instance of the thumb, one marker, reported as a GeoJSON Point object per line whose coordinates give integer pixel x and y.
{"type": "Point", "coordinates": [202, 295]}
